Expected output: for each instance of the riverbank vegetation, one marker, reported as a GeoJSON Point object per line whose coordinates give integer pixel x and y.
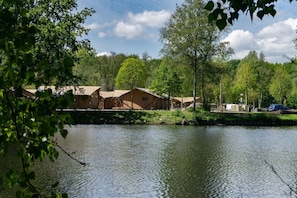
{"type": "Point", "coordinates": [185, 117]}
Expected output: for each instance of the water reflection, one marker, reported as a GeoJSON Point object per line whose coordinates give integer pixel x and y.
{"type": "Point", "coordinates": [174, 161]}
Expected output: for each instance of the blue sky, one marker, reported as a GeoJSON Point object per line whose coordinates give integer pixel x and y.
{"type": "Point", "coordinates": [132, 27]}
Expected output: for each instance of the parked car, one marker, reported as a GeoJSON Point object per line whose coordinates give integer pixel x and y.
{"type": "Point", "coordinates": [278, 107]}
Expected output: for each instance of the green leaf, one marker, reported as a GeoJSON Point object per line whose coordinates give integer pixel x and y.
{"type": "Point", "coordinates": [209, 6]}
{"type": "Point", "coordinates": [42, 154]}
{"type": "Point", "coordinates": [221, 24]}
{"type": "Point", "coordinates": [260, 14]}
{"type": "Point", "coordinates": [55, 184]}
{"type": "Point", "coordinates": [211, 17]}
{"type": "Point", "coordinates": [64, 133]}
{"type": "Point", "coordinates": [31, 175]}
{"type": "Point", "coordinates": [64, 195]}
{"type": "Point", "coordinates": [234, 15]}
{"type": "Point", "coordinates": [273, 12]}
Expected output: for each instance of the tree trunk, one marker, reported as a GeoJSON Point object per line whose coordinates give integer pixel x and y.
{"type": "Point", "coordinates": [260, 101]}
{"type": "Point", "coordinates": [221, 98]}
{"type": "Point", "coordinates": [246, 96]}
{"type": "Point", "coordinates": [168, 102]}
{"type": "Point", "coordinates": [195, 85]}
{"type": "Point", "coordinates": [202, 90]}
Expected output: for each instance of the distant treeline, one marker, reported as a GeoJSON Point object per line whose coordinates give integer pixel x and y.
{"type": "Point", "coordinates": [252, 80]}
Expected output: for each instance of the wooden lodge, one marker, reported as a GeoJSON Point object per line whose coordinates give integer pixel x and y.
{"type": "Point", "coordinates": [85, 97]}
{"type": "Point", "coordinates": [111, 99]}
{"type": "Point", "coordinates": [91, 97]}
{"type": "Point", "coordinates": [139, 98]}
{"type": "Point", "coordinates": [183, 102]}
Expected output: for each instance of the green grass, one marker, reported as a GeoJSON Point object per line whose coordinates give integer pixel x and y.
{"type": "Point", "coordinates": [177, 117]}
{"type": "Point", "coordinates": [292, 117]}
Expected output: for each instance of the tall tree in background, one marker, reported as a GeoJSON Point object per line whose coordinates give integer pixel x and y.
{"type": "Point", "coordinates": [98, 70]}
{"type": "Point", "coordinates": [38, 41]}
{"type": "Point", "coordinates": [188, 36]}
{"type": "Point", "coordinates": [264, 73]}
{"type": "Point", "coordinates": [166, 80]}
{"type": "Point", "coordinates": [131, 75]}
{"type": "Point", "coordinates": [281, 84]}
{"type": "Point", "coordinates": [151, 65]}
{"type": "Point", "coordinates": [85, 69]}
{"type": "Point", "coordinates": [246, 76]}
{"type": "Point", "coordinates": [109, 67]}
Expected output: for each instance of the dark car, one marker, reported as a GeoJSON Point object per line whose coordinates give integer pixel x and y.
{"type": "Point", "coordinates": [278, 107]}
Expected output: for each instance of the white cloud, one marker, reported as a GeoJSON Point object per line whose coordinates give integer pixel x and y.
{"type": "Point", "coordinates": [93, 26]}
{"type": "Point", "coordinates": [101, 34]}
{"type": "Point", "coordinates": [150, 18]}
{"type": "Point", "coordinates": [241, 40]}
{"type": "Point", "coordinates": [291, 22]}
{"type": "Point", "coordinates": [275, 41]}
{"type": "Point", "coordinates": [127, 30]}
{"type": "Point", "coordinates": [104, 54]}
{"type": "Point", "coordinates": [141, 24]}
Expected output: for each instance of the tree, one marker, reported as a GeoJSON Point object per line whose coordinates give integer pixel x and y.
{"type": "Point", "coordinates": [264, 72]}
{"type": "Point", "coordinates": [38, 41]}
{"type": "Point", "coordinates": [86, 69]}
{"type": "Point", "coordinates": [246, 76]}
{"type": "Point", "coordinates": [188, 36]}
{"type": "Point", "coordinates": [281, 84]}
{"type": "Point", "coordinates": [131, 75]}
{"type": "Point", "coordinates": [226, 11]}
{"type": "Point", "coordinates": [166, 80]}
{"type": "Point", "coordinates": [227, 82]}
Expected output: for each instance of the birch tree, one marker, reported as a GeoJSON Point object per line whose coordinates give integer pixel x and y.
{"type": "Point", "coordinates": [189, 37]}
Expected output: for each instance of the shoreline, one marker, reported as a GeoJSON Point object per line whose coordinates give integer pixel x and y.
{"type": "Point", "coordinates": [177, 117]}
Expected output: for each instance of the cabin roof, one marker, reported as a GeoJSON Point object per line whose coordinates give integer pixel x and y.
{"type": "Point", "coordinates": [186, 99]}
{"type": "Point", "coordinates": [77, 90]}
{"type": "Point", "coordinates": [113, 94]}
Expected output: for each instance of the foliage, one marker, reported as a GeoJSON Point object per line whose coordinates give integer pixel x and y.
{"type": "Point", "coordinates": [38, 40]}
{"type": "Point", "coordinates": [281, 84]}
{"type": "Point", "coordinates": [151, 65]}
{"type": "Point", "coordinates": [292, 99]}
{"type": "Point", "coordinates": [99, 70]}
{"type": "Point", "coordinates": [131, 74]}
{"type": "Point", "coordinates": [85, 68]}
{"type": "Point", "coordinates": [253, 76]}
{"type": "Point", "coordinates": [226, 11]}
{"type": "Point", "coordinates": [166, 79]}
{"type": "Point", "coordinates": [246, 75]}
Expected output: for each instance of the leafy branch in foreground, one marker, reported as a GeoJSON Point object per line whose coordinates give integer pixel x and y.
{"type": "Point", "coordinates": [227, 11]}
{"type": "Point", "coordinates": [37, 46]}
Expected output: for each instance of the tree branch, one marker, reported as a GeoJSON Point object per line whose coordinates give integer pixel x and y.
{"type": "Point", "coordinates": [69, 155]}
{"type": "Point", "coordinates": [282, 180]}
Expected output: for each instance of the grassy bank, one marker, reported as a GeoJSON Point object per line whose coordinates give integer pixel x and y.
{"type": "Point", "coordinates": [186, 117]}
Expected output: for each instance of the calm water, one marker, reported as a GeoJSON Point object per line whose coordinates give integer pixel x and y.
{"type": "Point", "coordinates": [175, 161]}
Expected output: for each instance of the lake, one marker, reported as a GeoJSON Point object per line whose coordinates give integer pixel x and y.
{"type": "Point", "coordinates": [175, 161]}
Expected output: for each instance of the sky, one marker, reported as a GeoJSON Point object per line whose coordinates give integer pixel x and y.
{"type": "Point", "coordinates": [132, 27]}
